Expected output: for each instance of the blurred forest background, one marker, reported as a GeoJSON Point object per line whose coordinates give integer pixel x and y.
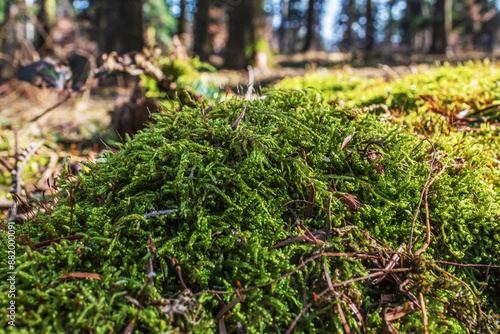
{"type": "Point", "coordinates": [235, 33]}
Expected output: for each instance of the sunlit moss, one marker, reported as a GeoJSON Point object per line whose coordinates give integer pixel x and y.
{"type": "Point", "coordinates": [226, 185]}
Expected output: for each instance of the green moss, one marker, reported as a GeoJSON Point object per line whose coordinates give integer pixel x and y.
{"type": "Point", "coordinates": [182, 77]}
{"type": "Point", "coordinates": [227, 191]}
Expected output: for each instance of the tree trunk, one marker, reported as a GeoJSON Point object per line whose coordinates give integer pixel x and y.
{"type": "Point", "coordinates": [238, 26]}
{"type": "Point", "coordinates": [246, 29]}
{"type": "Point", "coordinates": [347, 37]}
{"type": "Point", "coordinates": [122, 26]}
{"type": "Point", "coordinates": [181, 22]}
{"type": "Point", "coordinates": [282, 30]}
{"type": "Point", "coordinates": [201, 41]}
{"type": "Point", "coordinates": [441, 26]}
{"type": "Point", "coordinates": [390, 25]}
{"type": "Point", "coordinates": [308, 45]}
{"type": "Point", "coordinates": [257, 23]}
{"type": "Point", "coordinates": [370, 27]}
{"type": "Point", "coordinates": [413, 9]}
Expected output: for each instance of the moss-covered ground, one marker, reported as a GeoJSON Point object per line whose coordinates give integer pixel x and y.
{"type": "Point", "coordinates": [311, 210]}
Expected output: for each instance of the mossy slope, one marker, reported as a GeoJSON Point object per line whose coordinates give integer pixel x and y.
{"type": "Point", "coordinates": [227, 184]}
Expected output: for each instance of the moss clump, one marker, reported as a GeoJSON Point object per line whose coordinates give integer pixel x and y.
{"type": "Point", "coordinates": [230, 192]}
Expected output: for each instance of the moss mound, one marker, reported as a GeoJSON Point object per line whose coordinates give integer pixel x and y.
{"type": "Point", "coordinates": [261, 216]}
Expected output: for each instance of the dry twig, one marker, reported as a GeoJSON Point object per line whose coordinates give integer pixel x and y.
{"type": "Point", "coordinates": [423, 191]}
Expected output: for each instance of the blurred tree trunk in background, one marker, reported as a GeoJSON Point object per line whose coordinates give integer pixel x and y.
{"type": "Point", "coordinates": [282, 29]}
{"type": "Point", "coordinates": [181, 22]}
{"type": "Point", "coordinates": [28, 29]}
{"type": "Point", "coordinates": [481, 16]}
{"type": "Point", "coordinates": [347, 21]}
{"type": "Point", "coordinates": [246, 28]}
{"type": "Point", "coordinates": [120, 25]}
{"type": "Point", "coordinates": [370, 26]}
{"type": "Point", "coordinates": [201, 37]}
{"type": "Point", "coordinates": [239, 22]}
{"type": "Point", "coordinates": [47, 17]}
{"type": "Point", "coordinates": [413, 10]}
{"type": "Point", "coordinates": [310, 35]}
{"type": "Point", "coordinates": [258, 24]}
{"type": "Point", "coordinates": [390, 26]}
{"type": "Point", "coordinates": [441, 26]}
{"type": "Point", "coordinates": [8, 43]}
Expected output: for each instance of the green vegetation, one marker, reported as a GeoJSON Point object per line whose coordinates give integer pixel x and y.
{"type": "Point", "coordinates": [470, 85]}
{"type": "Point", "coordinates": [183, 82]}
{"type": "Point", "coordinates": [214, 200]}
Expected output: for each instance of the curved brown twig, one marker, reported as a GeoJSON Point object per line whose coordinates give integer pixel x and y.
{"type": "Point", "coordinates": [423, 191]}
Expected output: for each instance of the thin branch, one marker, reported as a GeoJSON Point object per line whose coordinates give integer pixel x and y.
{"type": "Point", "coordinates": [424, 313]}
{"type": "Point", "coordinates": [423, 191]}
{"type": "Point", "coordinates": [159, 213]}
{"type": "Point", "coordinates": [292, 326]}
{"type": "Point", "coordinates": [466, 264]}
{"type": "Point", "coordinates": [427, 221]}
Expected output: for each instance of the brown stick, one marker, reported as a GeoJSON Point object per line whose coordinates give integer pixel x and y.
{"type": "Point", "coordinates": [427, 221]}
{"type": "Point", "coordinates": [424, 313]}
{"type": "Point", "coordinates": [347, 330]}
{"type": "Point", "coordinates": [355, 310]}
{"type": "Point", "coordinates": [394, 260]}
{"type": "Point", "coordinates": [339, 307]}
{"type": "Point", "coordinates": [222, 326]}
{"type": "Point", "coordinates": [228, 307]}
{"type": "Point", "coordinates": [466, 264]}
{"type": "Point", "coordinates": [423, 191]}
{"type": "Point", "coordinates": [310, 236]}
{"type": "Point", "coordinates": [294, 323]}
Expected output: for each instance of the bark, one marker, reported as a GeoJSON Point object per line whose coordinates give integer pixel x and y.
{"type": "Point", "coordinates": [390, 24]}
{"type": "Point", "coordinates": [258, 22]}
{"type": "Point", "coordinates": [121, 26]}
{"type": "Point", "coordinates": [309, 41]}
{"type": "Point", "coordinates": [348, 37]}
{"type": "Point", "coordinates": [282, 30]}
{"type": "Point", "coordinates": [441, 26]}
{"type": "Point", "coordinates": [201, 37]}
{"type": "Point", "coordinates": [238, 25]}
{"type": "Point", "coordinates": [413, 9]}
{"type": "Point", "coordinates": [181, 23]}
{"type": "Point", "coordinates": [370, 27]}
{"type": "Point", "coordinates": [246, 28]}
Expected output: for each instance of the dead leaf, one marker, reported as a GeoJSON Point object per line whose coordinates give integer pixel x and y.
{"type": "Point", "coordinates": [130, 327]}
{"type": "Point", "coordinates": [133, 301]}
{"type": "Point", "coordinates": [400, 311]}
{"type": "Point", "coordinates": [151, 245]}
{"type": "Point", "coordinates": [379, 169]}
{"type": "Point", "coordinates": [238, 120]}
{"type": "Point", "coordinates": [346, 141]}
{"type": "Point", "coordinates": [351, 202]}
{"type": "Point", "coordinates": [81, 275]}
